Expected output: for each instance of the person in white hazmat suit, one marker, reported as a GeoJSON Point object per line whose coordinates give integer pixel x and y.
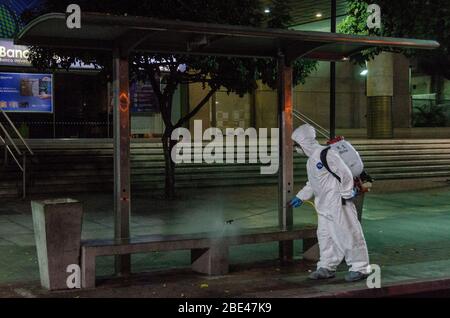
{"type": "Point", "coordinates": [339, 232]}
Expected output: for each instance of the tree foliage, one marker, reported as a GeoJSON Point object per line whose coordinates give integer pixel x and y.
{"type": "Point", "coordinates": [232, 74]}
{"type": "Point", "coordinates": [406, 19]}
{"type": "Point", "coordinates": [429, 115]}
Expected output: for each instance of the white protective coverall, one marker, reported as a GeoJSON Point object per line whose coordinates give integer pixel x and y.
{"type": "Point", "coordinates": [339, 232]}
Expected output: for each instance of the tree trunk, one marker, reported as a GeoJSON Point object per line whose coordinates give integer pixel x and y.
{"type": "Point", "coordinates": [168, 145]}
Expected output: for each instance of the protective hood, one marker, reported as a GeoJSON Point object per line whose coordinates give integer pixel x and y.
{"type": "Point", "coordinates": [305, 136]}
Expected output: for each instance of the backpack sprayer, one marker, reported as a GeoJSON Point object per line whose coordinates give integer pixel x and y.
{"type": "Point", "coordinates": [363, 181]}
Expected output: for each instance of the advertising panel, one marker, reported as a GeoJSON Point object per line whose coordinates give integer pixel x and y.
{"type": "Point", "coordinates": [23, 92]}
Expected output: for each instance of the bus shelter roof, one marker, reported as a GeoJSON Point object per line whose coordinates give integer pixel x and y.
{"type": "Point", "coordinates": [130, 33]}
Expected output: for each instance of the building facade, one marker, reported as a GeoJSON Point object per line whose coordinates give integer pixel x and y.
{"type": "Point", "coordinates": [392, 94]}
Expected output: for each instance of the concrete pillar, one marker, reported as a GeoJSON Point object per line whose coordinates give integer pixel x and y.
{"type": "Point", "coordinates": [401, 103]}
{"type": "Point", "coordinates": [380, 92]}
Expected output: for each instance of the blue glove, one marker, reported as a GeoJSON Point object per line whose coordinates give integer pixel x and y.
{"type": "Point", "coordinates": [355, 193]}
{"type": "Point", "coordinates": [295, 202]}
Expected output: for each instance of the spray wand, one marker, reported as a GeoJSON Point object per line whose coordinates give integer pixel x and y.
{"type": "Point", "coordinates": [230, 221]}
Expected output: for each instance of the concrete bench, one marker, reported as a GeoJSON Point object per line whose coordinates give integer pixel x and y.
{"type": "Point", "coordinates": [209, 251]}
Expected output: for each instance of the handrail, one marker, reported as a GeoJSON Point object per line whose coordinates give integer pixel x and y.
{"type": "Point", "coordinates": [321, 130]}
{"type": "Point", "coordinates": [22, 166]}
{"type": "Point", "coordinates": [11, 153]}
{"type": "Point", "coordinates": [17, 132]}
{"type": "Point", "coordinates": [308, 120]}
{"type": "Point", "coordinates": [10, 139]}
{"type": "Point", "coordinates": [312, 121]}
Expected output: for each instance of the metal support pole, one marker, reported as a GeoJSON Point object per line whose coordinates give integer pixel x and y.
{"type": "Point", "coordinates": [285, 180]}
{"type": "Point", "coordinates": [54, 123]}
{"type": "Point", "coordinates": [333, 77]}
{"type": "Point", "coordinates": [24, 176]}
{"type": "Point", "coordinates": [121, 158]}
{"type": "Point", "coordinates": [332, 100]}
{"type": "Point", "coordinates": [108, 114]}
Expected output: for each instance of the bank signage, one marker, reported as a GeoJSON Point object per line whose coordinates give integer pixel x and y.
{"type": "Point", "coordinates": [26, 93]}
{"type": "Point", "coordinates": [13, 55]}
{"type": "Point", "coordinates": [17, 55]}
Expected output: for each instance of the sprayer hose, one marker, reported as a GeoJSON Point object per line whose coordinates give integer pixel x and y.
{"type": "Point", "coordinates": [311, 204]}
{"type": "Point", "coordinates": [264, 212]}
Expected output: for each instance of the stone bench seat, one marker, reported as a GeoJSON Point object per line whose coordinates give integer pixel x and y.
{"type": "Point", "coordinates": [209, 251]}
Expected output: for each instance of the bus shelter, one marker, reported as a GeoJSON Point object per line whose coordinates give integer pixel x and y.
{"type": "Point", "coordinates": [122, 35]}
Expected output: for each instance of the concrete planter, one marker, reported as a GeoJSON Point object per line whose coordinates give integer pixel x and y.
{"type": "Point", "coordinates": [57, 230]}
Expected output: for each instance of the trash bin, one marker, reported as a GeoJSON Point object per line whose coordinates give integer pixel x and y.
{"type": "Point", "coordinates": [57, 231]}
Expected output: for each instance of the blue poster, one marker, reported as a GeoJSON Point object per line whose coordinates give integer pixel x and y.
{"type": "Point", "coordinates": [22, 92]}
{"type": "Point", "coordinates": [143, 98]}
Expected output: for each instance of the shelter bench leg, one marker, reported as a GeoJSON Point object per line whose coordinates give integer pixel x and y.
{"type": "Point", "coordinates": [210, 261]}
{"type": "Point", "coordinates": [311, 249]}
{"type": "Point", "coordinates": [87, 268]}
{"type": "Point", "coordinates": [286, 252]}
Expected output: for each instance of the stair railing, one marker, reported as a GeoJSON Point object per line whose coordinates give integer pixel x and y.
{"type": "Point", "coordinates": [12, 149]}
{"type": "Point", "coordinates": [302, 117]}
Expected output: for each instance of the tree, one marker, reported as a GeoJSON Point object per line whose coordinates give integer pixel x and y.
{"type": "Point", "coordinates": [407, 19]}
{"type": "Point", "coordinates": [236, 75]}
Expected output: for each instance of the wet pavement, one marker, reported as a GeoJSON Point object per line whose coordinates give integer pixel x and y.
{"type": "Point", "coordinates": [406, 227]}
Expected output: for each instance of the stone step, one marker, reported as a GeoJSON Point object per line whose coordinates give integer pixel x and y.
{"type": "Point", "coordinates": [153, 184]}
{"type": "Point", "coordinates": [369, 161]}
{"type": "Point", "coordinates": [9, 193]}
{"type": "Point", "coordinates": [237, 179]}
{"type": "Point", "coordinates": [215, 171]}
{"type": "Point", "coordinates": [159, 151]}
{"type": "Point", "coordinates": [78, 166]}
